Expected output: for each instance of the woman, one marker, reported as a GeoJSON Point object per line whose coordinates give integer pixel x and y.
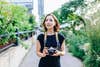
{"type": "Point", "coordinates": [52, 40]}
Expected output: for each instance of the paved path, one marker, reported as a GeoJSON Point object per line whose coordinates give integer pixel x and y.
{"type": "Point", "coordinates": [13, 56]}
{"type": "Point", "coordinates": [31, 59]}
{"type": "Point", "coordinates": [69, 61]}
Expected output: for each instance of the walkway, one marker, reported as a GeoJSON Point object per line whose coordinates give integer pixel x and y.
{"type": "Point", "coordinates": [13, 56]}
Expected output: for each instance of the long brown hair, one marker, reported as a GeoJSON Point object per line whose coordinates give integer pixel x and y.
{"type": "Point", "coordinates": [57, 25]}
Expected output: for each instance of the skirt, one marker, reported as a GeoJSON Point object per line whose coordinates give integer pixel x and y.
{"type": "Point", "coordinates": [49, 62]}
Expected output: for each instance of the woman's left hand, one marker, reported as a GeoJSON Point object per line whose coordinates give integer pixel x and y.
{"type": "Point", "coordinates": [57, 53]}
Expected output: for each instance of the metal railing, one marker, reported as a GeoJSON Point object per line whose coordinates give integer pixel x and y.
{"type": "Point", "coordinates": [17, 33]}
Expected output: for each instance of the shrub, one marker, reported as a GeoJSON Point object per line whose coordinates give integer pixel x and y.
{"type": "Point", "coordinates": [93, 54]}
{"type": "Point", "coordinates": [13, 17]}
{"type": "Point", "coordinates": [75, 43]}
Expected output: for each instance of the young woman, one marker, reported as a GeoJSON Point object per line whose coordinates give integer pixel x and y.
{"type": "Point", "coordinates": [50, 45]}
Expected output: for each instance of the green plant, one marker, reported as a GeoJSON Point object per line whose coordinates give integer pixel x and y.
{"type": "Point", "coordinates": [93, 54]}
{"type": "Point", "coordinates": [14, 17]}
{"type": "Point", "coordinates": [32, 21]}
{"type": "Point", "coordinates": [75, 42]}
{"type": "Point", "coordinates": [69, 8]}
{"type": "Point", "coordinates": [26, 46]}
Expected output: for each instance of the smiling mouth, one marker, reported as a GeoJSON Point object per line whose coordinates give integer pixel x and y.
{"type": "Point", "coordinates": [49, 25]}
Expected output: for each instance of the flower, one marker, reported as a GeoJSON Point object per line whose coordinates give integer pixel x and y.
{"type": "Point", "coordinates": [86, 46]}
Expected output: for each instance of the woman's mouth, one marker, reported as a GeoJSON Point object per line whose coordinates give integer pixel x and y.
{"type": "Point", "coordinates": [49, 24]}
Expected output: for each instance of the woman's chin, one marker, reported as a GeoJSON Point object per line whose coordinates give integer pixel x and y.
{"type": "Point", "coordinates": [49, 28]}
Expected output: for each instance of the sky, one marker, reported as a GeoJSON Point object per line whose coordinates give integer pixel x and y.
{"type": "Point", "coordinates": [51, 5]}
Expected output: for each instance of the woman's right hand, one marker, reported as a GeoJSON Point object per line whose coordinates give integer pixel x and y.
{"type": "Point", "coordinates": [39, 53]}
{"type": "Point", "coordinates": [45, 52]}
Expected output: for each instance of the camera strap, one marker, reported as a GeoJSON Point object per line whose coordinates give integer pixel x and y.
{"type": "Point", "coordinates": [57, 40]}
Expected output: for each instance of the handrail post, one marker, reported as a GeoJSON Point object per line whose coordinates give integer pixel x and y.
{"type": "Point", "coordinates": [17, 35]}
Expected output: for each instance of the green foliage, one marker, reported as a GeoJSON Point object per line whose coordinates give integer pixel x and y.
{"type": "Point", "coordinates": [75, 43]}
{"type": "Point", "coordinates": [68, 8]}
{"type": "Point", "coordinates": [26, 46]}
{"type": "Point", "coordinates": [12, 17]}
{"type": "Point", "coordinates": [57, 14]}
{"type": "Point", "coordinates": [93, 54]}
{"type": "Point", "coordinates": [32, 20]}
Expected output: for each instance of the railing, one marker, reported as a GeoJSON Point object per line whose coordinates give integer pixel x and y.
{"type": "Point", "coordinates": [17, 33]}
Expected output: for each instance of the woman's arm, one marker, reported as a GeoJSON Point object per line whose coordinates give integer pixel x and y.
{"type": "Point", "coordinates": [38, 50]}
{"type": "Point", "coordinates": [62, 52]}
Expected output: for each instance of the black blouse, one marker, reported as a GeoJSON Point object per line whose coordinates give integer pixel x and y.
{"type": "Point", "coordinates": [50, 41]}
{"type": "Point", "coordinates": [50, 61]}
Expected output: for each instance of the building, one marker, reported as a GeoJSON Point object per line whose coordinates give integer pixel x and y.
{"type": "Point", "coordinates": [41, 7]}
{"type": "Point", "coordinates": [38, 10]}
{"type": "Point", "coordinates": [34, 6]}
{"type": "Point", "coordinates": [26, 3]}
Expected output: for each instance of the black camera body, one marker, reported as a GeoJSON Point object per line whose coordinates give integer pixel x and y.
{"type": "Point", "coordinates": [51, 51]}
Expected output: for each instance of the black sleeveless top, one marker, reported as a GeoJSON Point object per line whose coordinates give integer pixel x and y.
{"type": "Point", "coordinates": [50, 42]}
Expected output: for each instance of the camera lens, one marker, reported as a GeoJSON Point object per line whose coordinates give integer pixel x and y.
{"type": "Point", "coordinates": [51, 51]}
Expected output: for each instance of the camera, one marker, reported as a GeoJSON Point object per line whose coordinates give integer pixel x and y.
{"type": "Point", "coordinates": [51, 51]}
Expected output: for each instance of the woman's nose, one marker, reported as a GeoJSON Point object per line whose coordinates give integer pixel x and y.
{"type": "Point", "coordinates": [48, 22]}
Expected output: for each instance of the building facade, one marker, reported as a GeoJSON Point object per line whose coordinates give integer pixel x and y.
{"type": "Point", "coordinates": [26, 3]}
{"type": "Point", "coordinates": [34, 6]}
{"type": "Point", "coordinates": [41, 7]}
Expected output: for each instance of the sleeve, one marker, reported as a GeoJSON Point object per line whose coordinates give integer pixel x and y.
{"type": "Point", "coordinates": [41, 40]}
{"type": "Point", "coordinates": [39, 37]}
{"type": "Point", "coordinates": [61, 38]}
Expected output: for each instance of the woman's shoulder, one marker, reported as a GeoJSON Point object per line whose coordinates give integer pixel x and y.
{"type": "Point", "coordinates": [60, 35]}
{"type": "Point", "coordinates": [41, 35]}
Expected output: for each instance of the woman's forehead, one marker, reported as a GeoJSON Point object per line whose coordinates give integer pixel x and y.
{"type": "Point", "coordinates": [49, 17]}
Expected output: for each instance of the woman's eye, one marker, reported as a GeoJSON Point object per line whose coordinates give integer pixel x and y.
{"type": "Point", "coordinates": [46, 20]}
{"type": "Point", "coordinates": [50, 20]}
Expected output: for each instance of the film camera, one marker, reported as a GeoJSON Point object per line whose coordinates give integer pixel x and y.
{"type": "Point", "coordinates": [51, 51]}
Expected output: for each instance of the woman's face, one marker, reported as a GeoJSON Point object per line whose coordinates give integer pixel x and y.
{"type": "Point", "coordinates": [49, 22]}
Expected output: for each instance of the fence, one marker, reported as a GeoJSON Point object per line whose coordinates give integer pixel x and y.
{"type": "Point", "coordinates": [17, 33]}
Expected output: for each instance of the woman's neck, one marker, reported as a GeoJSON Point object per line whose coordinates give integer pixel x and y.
{"type": "Point", "coordinates": [50, 32]}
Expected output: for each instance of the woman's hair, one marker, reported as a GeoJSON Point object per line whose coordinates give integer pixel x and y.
{"type": "Point", "coordinates": [57, 25]}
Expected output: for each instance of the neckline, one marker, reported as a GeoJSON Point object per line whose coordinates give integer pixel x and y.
{"type": "Point", "coordinates": [51, 35]}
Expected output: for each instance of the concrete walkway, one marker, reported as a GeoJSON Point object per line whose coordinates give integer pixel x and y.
{"type": "Point", "coordinates": [70, 61]}
{"type": "Point", "coordinates": [13, 56]}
